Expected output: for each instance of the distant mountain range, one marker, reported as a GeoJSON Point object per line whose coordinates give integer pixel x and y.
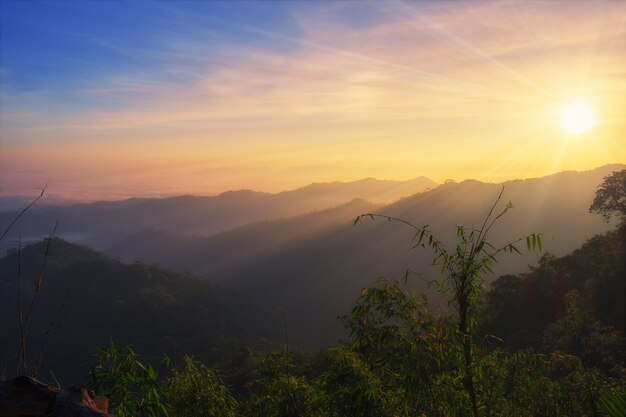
{"type": "Point", "coordinates": [213, 255]}
{"type": "Point", "coordinates": [315, 265]}
{"type": "Point", "coordinates": [317, 278]}
{"type": "Point", "coordinates": [277, 250]}
{"type": "Point", "coordinates": [104, 223]}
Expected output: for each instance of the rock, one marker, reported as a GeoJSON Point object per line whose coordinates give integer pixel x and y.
{"type": "Point", "coordinates": [102, 403]}
{"type": "Point", "coordinates": [27, 397]}
{"type": "Point", "coordinates": [76, 402]}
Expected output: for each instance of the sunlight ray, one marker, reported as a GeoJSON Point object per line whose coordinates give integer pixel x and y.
{"type": "Point", "coordinates": [468, 46]}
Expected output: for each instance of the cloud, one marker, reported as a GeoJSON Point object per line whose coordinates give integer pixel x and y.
{"type": "Point", "coordinates": [399, 83]}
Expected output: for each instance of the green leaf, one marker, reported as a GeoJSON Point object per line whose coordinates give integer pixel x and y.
{"type": "Point", "coordinates": [539, 243]}
{"type": "Point", "coordinates": [152, 375]}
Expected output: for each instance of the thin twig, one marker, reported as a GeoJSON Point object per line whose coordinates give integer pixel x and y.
{"type": "Point", "coordinates": [481, 235]}
{"type": "Point", "coordinates": [389, 218]}
{"type": "Point", "coordinates": [37, 288]}
{"type": "Point", "coordinates": [20, 313]}
{"type": "Point", "coordinates": [47, 332]}
{"type": "Point", "coordinates": [436, 245]}
{"type": "Point", "coordinates": [32, 203]}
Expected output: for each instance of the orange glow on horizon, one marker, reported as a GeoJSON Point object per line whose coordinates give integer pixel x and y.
{"type": "Point", "coordinates": [468, 91]}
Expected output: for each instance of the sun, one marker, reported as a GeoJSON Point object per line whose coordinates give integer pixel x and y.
{"type": "Point", "coordinates": [577, 117]}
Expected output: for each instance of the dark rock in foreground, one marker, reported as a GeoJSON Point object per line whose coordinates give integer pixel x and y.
{"type": "Point", "coordinates": [27, 397]}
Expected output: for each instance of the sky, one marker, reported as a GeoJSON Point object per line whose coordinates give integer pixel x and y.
{"type": "Point", "coordinates": [105, 100]}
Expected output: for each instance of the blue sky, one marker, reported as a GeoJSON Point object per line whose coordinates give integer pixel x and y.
{"type": "Point", "coordinates": [111, 99]}
{"type": "Point", "coordinates": [60, 46]}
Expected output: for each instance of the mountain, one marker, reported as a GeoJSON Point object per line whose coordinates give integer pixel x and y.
{"type": "Point", "coordinates": [369, 189]}
{"type": "Point", "coordinates": [208, 256]}
{"type": "Point", "coordinates": [316, 279]}
{"type": "Point", "coordinates": [314, 266]}
{"type": "Point", "coordinates": [154, 310]}
{"type": "Point", "coordinates": [104, 223]}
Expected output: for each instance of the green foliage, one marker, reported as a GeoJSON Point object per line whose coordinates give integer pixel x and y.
{"type": "Point", "coordinates": [277, 385]}
{"type": "Point", "coordinates": [393, 330]}
{"type": "Point", "coordinates": [580, 334]}
{"type": "Point", "coordinates": [282, 396]}
{"type": "Point", "coordinates": [613, 404]}
{"type": "Point", "coordinates": [134, 389]}
{"type": "Point", "coordinates": [131, 386]}
{"type": "Point", "coordinates": [197, 391]}
{"type": "Point", "coordinates": [394, 335]}
{"type": "Point", "coordinates": [526, 383]}
{"type": "Point", "coordinates": [352, 389]}
{"type": "Point", "coordinates": [462, 270]}
{"type": "Point", "coordinates": [520, 308]}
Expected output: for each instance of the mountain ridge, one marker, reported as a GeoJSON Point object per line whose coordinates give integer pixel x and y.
{"type": "Point", "coordinates": [104, 223]}
{"type": "Point", "coordinates": [349, 258]}
{"type": "Point", "coordinates": [104, 300]}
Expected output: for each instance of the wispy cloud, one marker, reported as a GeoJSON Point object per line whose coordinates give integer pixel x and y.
{"type": "Point", "coordinates": [399, 81]}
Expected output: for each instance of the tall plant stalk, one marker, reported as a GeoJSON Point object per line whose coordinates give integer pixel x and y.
{"type": "Point", "coordinates": [24, 319]}
{"type": "Point", "coordinates": [463, 269]}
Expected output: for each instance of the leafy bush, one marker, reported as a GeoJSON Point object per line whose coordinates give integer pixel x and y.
{"type": "Point", "coordinates": [197, 391]}
{"type": "Point", "coordinates": [351, 389]}
{"type": "Point", "coordinates": [283, 396]}
{"type": "Point", "coordinates": [132, 387]}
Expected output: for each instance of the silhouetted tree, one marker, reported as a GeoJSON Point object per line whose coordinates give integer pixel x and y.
{"type": "Point", "coordinates": [580, 334]}
{"type": "Point", "coordinates": [611, 196]}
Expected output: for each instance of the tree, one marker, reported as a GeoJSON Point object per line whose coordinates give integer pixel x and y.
{"type": "Point", "coordinates": [394, 331]}
{"type": "Point", "coordinates": [580, 334]}
{"type": "Point", "coordinates": [277, 388]}
{"type": "Point", "coordinates": [610, 197]}
{"type": "Point", "coordinates": [463, 269]}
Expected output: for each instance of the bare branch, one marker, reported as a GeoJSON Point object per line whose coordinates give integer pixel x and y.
{"type": "Point", "coordinates": [20, 313]}
{"type": "Point", "coordinates": [391, 218]}
{"type": "Point", "coordinates": [32, 203]}
{"type": "Point", "coordinates": [37, 289]}
{"type": "Point", "coordinates": [493, 207]}
{"type": "Point", "coordinates": [47, 332]}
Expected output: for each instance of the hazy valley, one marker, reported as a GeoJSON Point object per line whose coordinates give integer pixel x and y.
{"type": "Point", "coordinates": [290, 250]}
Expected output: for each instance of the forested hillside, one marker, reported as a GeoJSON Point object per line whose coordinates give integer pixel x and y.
{"type": "Point", "coordinates": [292, 262]}
{"type": "Point", "coordinates": [104, 300]}
{"type": "Point", "coordinates": [532, 300]}
{"type": "Point", "coordinates": [210, 256]}
{"type": "Point", "coordinates": [349, 257]}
